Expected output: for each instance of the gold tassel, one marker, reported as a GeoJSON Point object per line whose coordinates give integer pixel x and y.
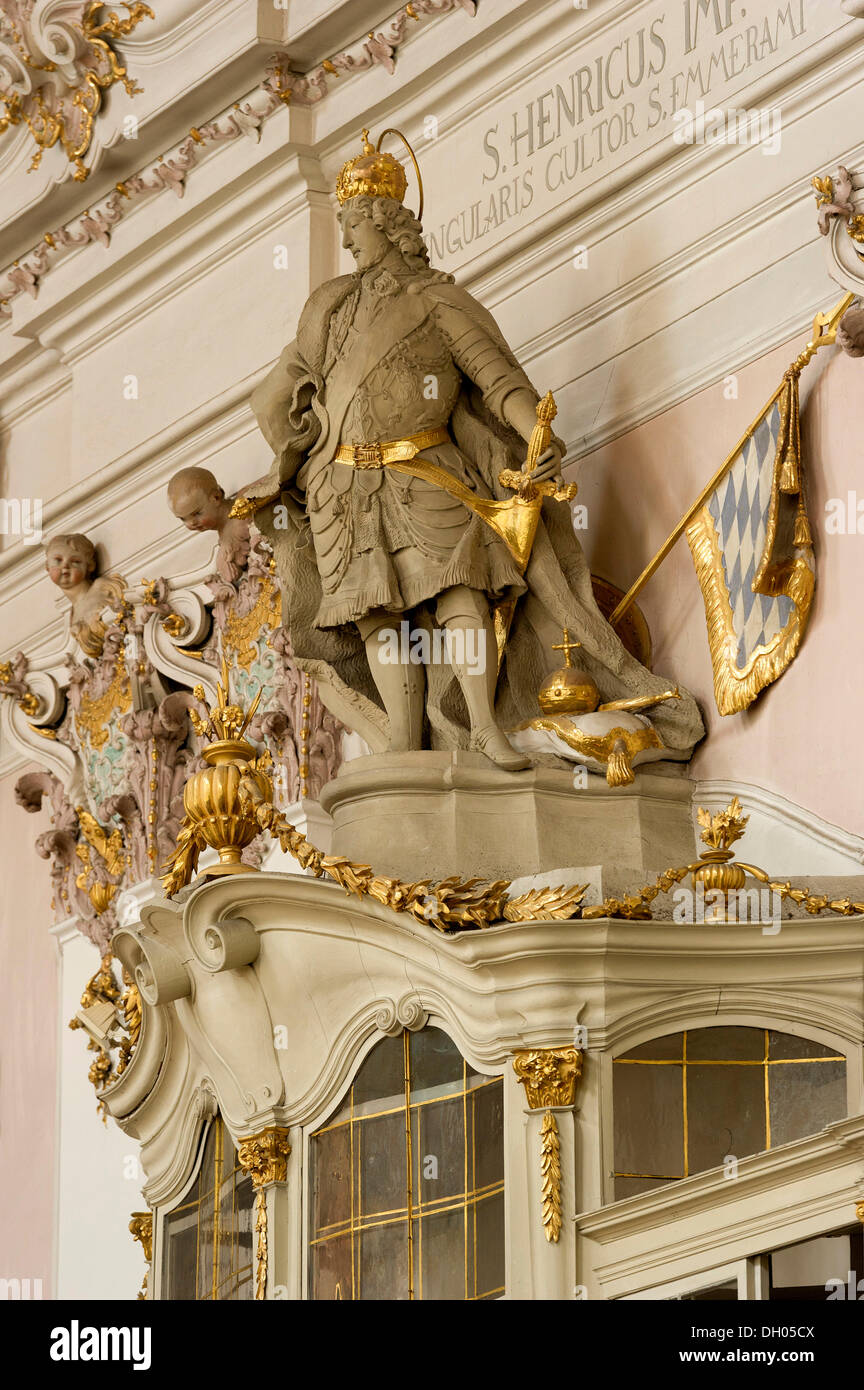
{"type": "Point", "coordinates": [790, 438]}
{"type": "Point", "coordinates": [803, 538]}
{"type": "Point", "coordinates": [619, 771]}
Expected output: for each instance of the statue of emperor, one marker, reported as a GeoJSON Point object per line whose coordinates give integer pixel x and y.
{"type": "Point", "coordinates": [392, 363]}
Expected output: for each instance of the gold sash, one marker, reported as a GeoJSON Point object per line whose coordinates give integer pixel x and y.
{"type": "Point", "coordinates": [514, 520]}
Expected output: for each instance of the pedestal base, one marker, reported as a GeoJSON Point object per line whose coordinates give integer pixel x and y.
{"type": "Point", "coordinates": [430, 815]}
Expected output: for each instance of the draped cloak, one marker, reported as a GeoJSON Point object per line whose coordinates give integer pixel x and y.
{"type": "Point", "coordinates": [334, 565]}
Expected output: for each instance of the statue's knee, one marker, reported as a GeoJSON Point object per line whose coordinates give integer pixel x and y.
{"type": "Point", "coordinates": [374, 621]}
{"type": "Point", "coordinates": [462, 605]}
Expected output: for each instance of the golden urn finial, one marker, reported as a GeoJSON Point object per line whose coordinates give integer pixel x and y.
{"type": "Point", "coordinates": [216, 816]}
{"type": "Point", "coordinates": [372, 174]}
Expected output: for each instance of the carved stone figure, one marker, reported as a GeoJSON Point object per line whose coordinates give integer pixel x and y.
{"type": "Point", "coordinates": [196, 499]}
{"type": "Point", "coordinates": [71, 564]}
{"type": "Point", "coordinates": [396, 363]}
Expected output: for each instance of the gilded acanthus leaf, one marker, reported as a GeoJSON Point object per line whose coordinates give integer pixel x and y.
{"type": "Point", "coordinates": [541, 904]}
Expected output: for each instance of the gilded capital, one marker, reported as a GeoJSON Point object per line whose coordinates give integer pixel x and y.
{"type": "Point", "coordinates": [264, 1157]}
{"type": "Point", "coordinates": [549, 1075]}
{"type": "Point", "coordinates": [859, 1210]}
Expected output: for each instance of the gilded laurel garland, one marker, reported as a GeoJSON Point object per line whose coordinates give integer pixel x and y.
{"type": "Point", "coordinates": [265, 1158]}
{"type": "Point", "coordinates": [550, 1172]}
{"type": "Point", "coordinates": [229, 803]}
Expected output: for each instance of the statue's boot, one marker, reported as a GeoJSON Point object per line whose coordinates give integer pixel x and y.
{"type": "Point", "coordinates": [401, 684]}
{"type": "Point", "coordinates": [474, 661]}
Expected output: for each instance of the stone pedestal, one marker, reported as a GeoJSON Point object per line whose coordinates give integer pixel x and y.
{"type": "Point", "coordinates": [430, 815]}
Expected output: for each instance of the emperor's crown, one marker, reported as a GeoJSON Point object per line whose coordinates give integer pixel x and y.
{"type": "Point", "coordinates": [372, 174]}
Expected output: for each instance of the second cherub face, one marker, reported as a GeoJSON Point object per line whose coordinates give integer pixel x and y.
{"type": "Point", "coordinates": [66, 567]}
{"type": "Point", "coordinates": [198, 509]}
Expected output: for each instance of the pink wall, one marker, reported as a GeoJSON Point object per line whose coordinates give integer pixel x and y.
{"type": "Point", "coordinates": [28, 1048]}
{"type": "Point", "coordinates": [802, 737]}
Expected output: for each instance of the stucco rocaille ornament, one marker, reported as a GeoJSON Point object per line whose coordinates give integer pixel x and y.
{"type": "Point", "coordinates": [56, 62]}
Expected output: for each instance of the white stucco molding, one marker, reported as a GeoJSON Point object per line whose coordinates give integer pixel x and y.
{"type": "Point", "coordinates": [782, 837]}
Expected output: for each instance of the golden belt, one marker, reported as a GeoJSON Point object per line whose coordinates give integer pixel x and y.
{"type": "Point", "coordinates": [381, 454]}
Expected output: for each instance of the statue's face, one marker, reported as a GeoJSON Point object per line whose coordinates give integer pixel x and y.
{"type": "Point", "coordinates": [66, 568]}
{"type": "Point", "coordinates": [198, 509]}
{"type": "Point", "coordinates": [363, 239]}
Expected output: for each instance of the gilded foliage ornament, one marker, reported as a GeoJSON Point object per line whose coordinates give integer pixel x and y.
{"type": "Point", "coordinates": [549, 1075]}
{"type": "Point", "coordinates": [56, 63]}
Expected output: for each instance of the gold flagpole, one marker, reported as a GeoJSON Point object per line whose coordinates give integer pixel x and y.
{"type": "Point", "coordinates": [825, 327]}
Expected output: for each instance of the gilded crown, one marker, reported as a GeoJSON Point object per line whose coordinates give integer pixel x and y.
{"type": "Point", "coordinates": [372, 174]}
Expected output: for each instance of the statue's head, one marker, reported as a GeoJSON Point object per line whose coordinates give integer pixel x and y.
{"type": "Point", "coordinates": [70, 560]}
{"type": "Point", "coordinates": [373, 215]}
{"type": "Point", "coordinates": [197, 500]}
{"type": "Point", "coordinates": [372, 227]}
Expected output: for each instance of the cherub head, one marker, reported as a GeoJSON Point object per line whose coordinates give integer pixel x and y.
{"type": "Point", "coordinates": [197, 500]}
{"type": "Point", "coordinates": [71, 563]}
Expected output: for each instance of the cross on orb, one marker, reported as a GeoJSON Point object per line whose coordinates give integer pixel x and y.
{"type": "Point", "coordinates": [567, 646]}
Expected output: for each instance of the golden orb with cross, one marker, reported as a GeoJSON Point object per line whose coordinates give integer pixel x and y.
{"type": "Point", "coordinates": [568, 690]}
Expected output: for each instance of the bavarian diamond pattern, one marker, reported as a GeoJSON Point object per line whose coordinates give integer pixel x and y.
{"type": "Point", "coordinates": [739, 509]}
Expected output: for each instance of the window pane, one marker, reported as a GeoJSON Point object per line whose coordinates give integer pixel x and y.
{"type": "Point", "coordinates": [435, 1061]}
{"type": "Point", "coordinates": [649, 1120]}
{"type": "Point", "coordinates": [738, 1091]}
{"type": "Point", "coordinates": [380, 1145]}
{"type": "Point", "coordinates": [726, 1044]}
{"type": "Point", "coordinates": [383, 1261]}
{"type": "Point", "coordinates": [812, 1262]}
{"type": "Point", "coordinates": [331, 1190]}
{"type": "Point", "coordinates": [660, 1049]}
{"type": "Point", "coordinates": [726, 1114]}
{"type": "Point", "coordinates": [422, 1212]}
{"type": "Point", "coordinates": [331, 1268]}
{"type": "Point", "coordinates": [805, 1097]}
{"type": "Point", "coordinates": [787, 1045]}
{"type": "Point", "coordinates": [208, 1239]}
{"type": "Point", "coordinates": [382, 1075]}
{"type": "Point", "coordinates": [440, 1250]}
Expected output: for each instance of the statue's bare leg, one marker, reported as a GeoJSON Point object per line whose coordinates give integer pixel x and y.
{"type": "Point", "coordinates": [474, 660]}
{"type": "Point", "coordinates": [401, 684]}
